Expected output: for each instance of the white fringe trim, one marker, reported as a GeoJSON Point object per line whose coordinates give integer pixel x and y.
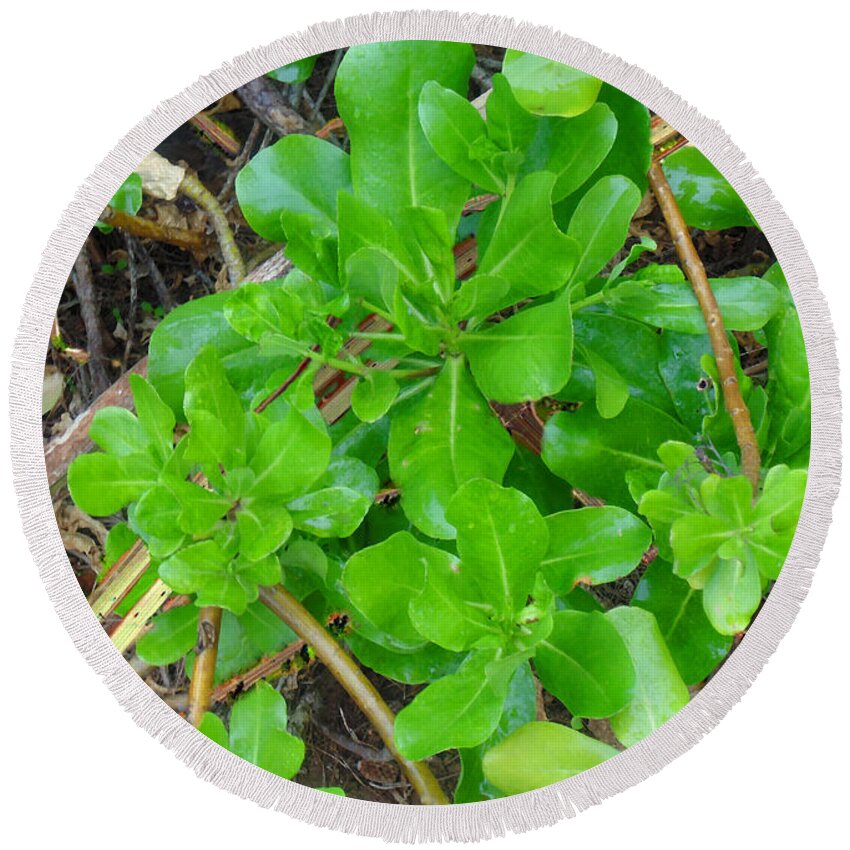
{"type": "Point", "coordinates": [474, 821]}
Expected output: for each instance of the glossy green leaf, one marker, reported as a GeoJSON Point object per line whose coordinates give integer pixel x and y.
{"type": "Point", "coordinates": [181, 335]}
{"type": "Point", "coordinates": [102, 484]}
{"type": "Point", "coordinates": [612, 390]}
{"type": "Point", "coordinates": [509, 125]}
{"type": "Point", "coordinates": [696, 646]}
{"type": "Point", "coordinates": [204, 569]}
{"type": "Point", "coordinates": [330, 512]}
{"type": "Point", "coordinates": [526, 248]}
{"type": "Point", "coordinates": [170, 636]}
{"type": "Point", "coordinates": [571, 149]}
{"type": "Point", "coordinates": [595, 453]}
{"type": "Point", "coordinates": [704, 195]}
{"type": "Point", "coordinates": [298, 71]}
{"type": "Point", "coordinates": [299, 173]}
{"type": "Point", "coordinates": [373, 396]}
{"type": "Point", "coordinates": [377, 93]}
{"type": "Point", "coordinates": [258, 732]}
{"type": "Point", "coordinates": [213, 727]}
{"type": "Point", "coordinates": [481, 295]}
{"type": "Point", "coordinates": [251, 312]}
{"type": "Point", "coordinates": [600, 224]}
{"type": "Point", "coordinates": [732, 595]}
{"type": "Point", "coordinates": [453, 126]}
{"type": "Point", "coordinates": [746, 304]}
{"type": "Point", "coordinates": [291, 455]}
{"type": "Point", "coordinates": [425, 664]}
{"type": "Point", "coordinates": [546, 87]}
{"type": "Point", "coordinates": [156, 517]}
{"type": "Point", "coordinates": [155, 416]}
{"type": "Point", "coordinates": [681, 371]}
{"type": "Point", "coordinates": [659, 690]}
{"type": "Point", "coordinates": [520, 707]}
{"type": "Point", "coordinates": [788, 376]}
{"type": "Point", "coordinates": [540, 753]}
{"type": "Point", "coordinates": [445, 439]}
{"type": "Point", "coordinates": [382, 580]}
{"type": "Point", "coordinates": [525, 357]}
{"type": "Point", "coordinates": [501, 539]}
{"type": "Point", "coordinates": [460, 710]}
{"type": "Point", "coordinates": [264, 526]}
{"type": "Point", "coordinates": [593, 546]}
{"type": "Point", "coordinates": [584, 663]}
{"type": "Point", "coordinates": [118, 432]}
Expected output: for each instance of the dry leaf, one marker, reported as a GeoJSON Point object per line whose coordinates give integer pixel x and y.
{"type": "Point", "coordinates": [160, 179]}
{"type": "Point", "coordinates": [51, 391]}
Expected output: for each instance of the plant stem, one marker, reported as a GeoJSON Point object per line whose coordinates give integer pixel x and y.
{"type": "Point", "coordinates": [377, 337]}
{"type": "Point", "coordinates": [351, 677]}
{"type": "Point", "coordinates": [723, 354]}
{"type": "Point", "coordinates": [144, 228]}
{"type": "Point", "coordinates": [201, 686]}
{"type": "Point", "coordinates": [194, 189]}
{"type": "Point", "coordinates": [596, 298]}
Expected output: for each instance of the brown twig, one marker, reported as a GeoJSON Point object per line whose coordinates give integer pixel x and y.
{"type": "Point", "coordinates": [360, 689]}
{"type": "Point", "coordinates": [194, 189]}
{"type": "Point", "coordinates": [201, 686]}
{"type": "Point", "coordinates": [238, 163]}
{"type": "Point", "coordinates": [84, 285]}
{"type": "Point", "coordinates": [267, 102]}
{"type": "Point", "coordinates": [144, 228]}
{"type": "Point", "coordinates": [263, 668]}
{"type": "Point", "coordinates": [723, 354]}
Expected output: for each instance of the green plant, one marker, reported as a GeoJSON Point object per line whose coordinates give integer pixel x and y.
{"type": "Point", "coordinates": [478, 584]}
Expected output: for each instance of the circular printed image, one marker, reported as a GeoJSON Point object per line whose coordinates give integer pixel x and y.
{"type": "Point", "coordinates": [426, 423]}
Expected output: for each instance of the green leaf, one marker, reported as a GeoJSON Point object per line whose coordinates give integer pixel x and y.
{"type": "Point", "coordinates": [509, 125]}
{"type": "Point", "coordinates": [459, 710]}
{"type": "Point", "coordinates": [612, 390]}
{"type": "Point", "coordinates": [187, 329]}
{"type": "Point", "coordinates": [203, 568]}
{"type": "Point", "coordinates": [481, 295]}
{"type": "Point", "coordinates": [265, 630]}
{"type": "Point", "coordinates": [258, 732]}
{"type": "Point", "coordinates": [520, 707]}
{"type": "Point", "coordinates": [201, 509]}
{"type": "Point", "coordinates": [525, 357]}
{"type": "Point", "coordinates": [373, 396]}
{"type": "Point", "coordinates": [156, 517]}
{"type": "Point", "coordinates": [659, 689]}
{"type": "Point", "coordinates": [127, 199]}
{"type": "Point", "coordinates": [209, 393]}
{"type": "Point", "coordinates": [571, 148]}
{"type": "Point", "coordinates": [331, 512]}
{"type": "Point", "coordinates": [298, 71]}
{"type": "Point", "coordinates": [251, 312]}
{"type": "Point", "coordinates": [119, 540]}
{"type": "Point", "coordinates": [300, 174]}
{"type": "Point", "coordinates": [426, 664]}
{"type": "Point", "coordinates": [746, 304]}
{"type": "Point", "coordinates": [526, 248]}
{"type": "Point", "coordinates": [704, 195]}
{"type": "Point", "coordinates": [213, 727]}
{"type": "Point", "coordinates": [593, 546]}
{"type": "Point", "coordinates": [291, 455]}
{"type": "Point", "coordinates": [732, 595]}
{"type": "Point", "coordinates": [584, 663]}
{"type": "Point", "coordinates": [696, 646]}
{"type": "Point", "coordinates": [540, 753]}
{"type": "Point", "coordinates": [264, 526]}
{"type": "Point", "coordinates": [501, 539]}
{"type": "Point", "coordinates": [452, 126]}
{"type": "Point", "coordinates": [102, 484]}
{"type": "Point", "coordinates": [382, 580]}
{"type": "Point", "coordinates": [170, 637]}
{"type": "Point", "coordinates": [445, 439]}
{"type": "Point", "coordinates": [118, 432]}
{"type": "Point", "coordinates": [155, 416]}
{"type": "Point", "coordinates": [600, 224]}
{"type": "Point", "coordinates": [448, 611]}
{"type": "Point", "coordinates": [595, 454]}
{"type": "Point", "coordinates": [546, 87]}
{"type": "Point", "coordinates": [377, 93]}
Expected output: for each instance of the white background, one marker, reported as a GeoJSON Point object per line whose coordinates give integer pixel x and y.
{"type": "Point", "coordinates": [75, 78]}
